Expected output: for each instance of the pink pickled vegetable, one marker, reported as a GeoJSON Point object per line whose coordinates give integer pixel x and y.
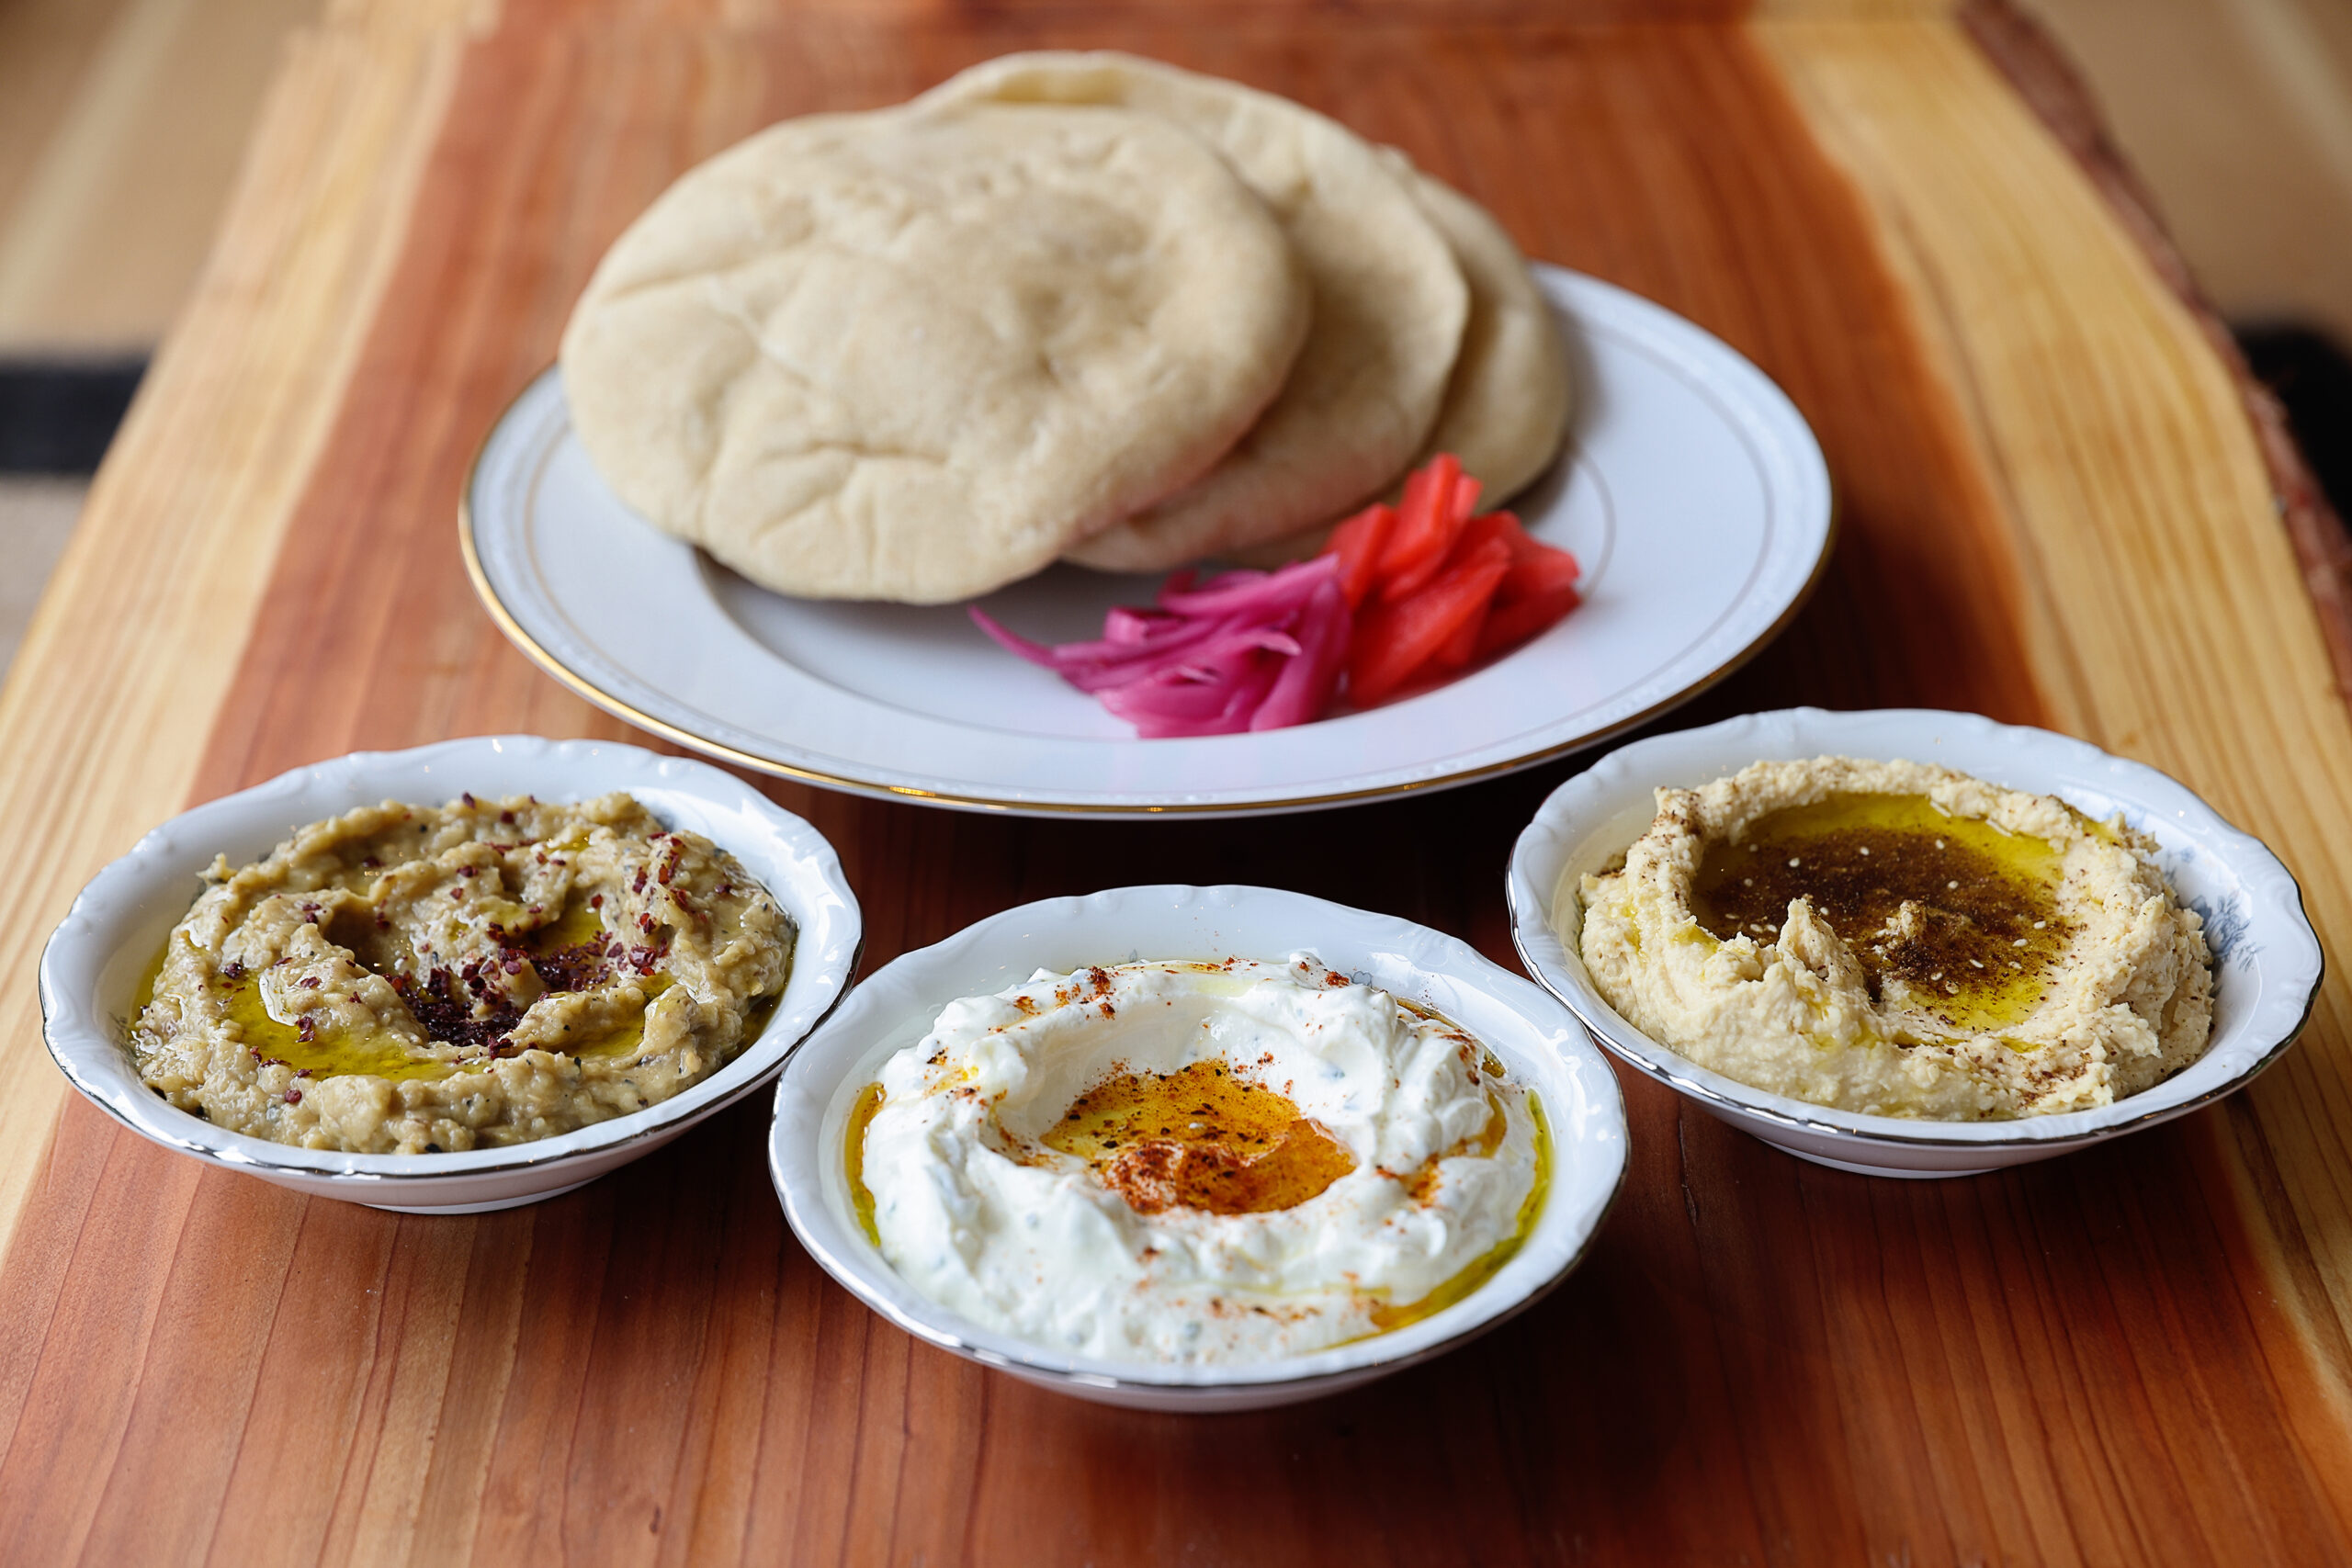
{"type": "Point", "coordinates": [1244, 651]}
{"type": "Point", "coordinates": [1013, 641]}
{"type": "Point", "coordinates": [1264, 594]}
{"type": "Point", "coordinates": [1304, 689]}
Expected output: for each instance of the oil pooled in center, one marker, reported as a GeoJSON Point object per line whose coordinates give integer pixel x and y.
{"type": "Point", "coordinates": [1962, 914]}
{"type": "Point", "coordinates": [1199, 1138]}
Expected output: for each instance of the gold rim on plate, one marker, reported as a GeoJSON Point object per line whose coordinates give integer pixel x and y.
{"type": "Point", "coordinates": [620, 707]}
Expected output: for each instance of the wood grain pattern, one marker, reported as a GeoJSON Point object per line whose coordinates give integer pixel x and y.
{"type": "Point", "coordinates": [2154, 498]}
{"type": "Point", "coordinates": [110, 225]}
{"type": "Point", "coordinates": [115, 685]}
{"type": "Point", "coordinates": [2255, 160]}
{"type": "Point", "coordinates": [2116, 1356]}
{"type": "Point", "coordinates": [2029, 58]}
{"type": "Point", "coordinates": [46, 46]}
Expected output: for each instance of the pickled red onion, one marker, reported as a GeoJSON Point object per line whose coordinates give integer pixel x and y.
{"type": "Point", "coordinates": [1245, 651]}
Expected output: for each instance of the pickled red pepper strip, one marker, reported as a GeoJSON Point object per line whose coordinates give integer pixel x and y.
{"type": "Point", "coordinates": [1437, 588]}
{"type": "Point", "coordinates": [1356, 545]}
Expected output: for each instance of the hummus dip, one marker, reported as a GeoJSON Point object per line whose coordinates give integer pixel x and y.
{"type": "Point", "coordinates": [1899, 939]}
{"type": "Point", "coordinates": [405, 979]}
{"type": "Point", "coordinates": [1187, 1162]}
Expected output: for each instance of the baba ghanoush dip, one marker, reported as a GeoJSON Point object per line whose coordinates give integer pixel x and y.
{"type": "Point", "coordinates": [1191, 1162]}
{"type": "Point", "coordinates": [406, 979]}
{"type": "Point", "coordinates": [1899, 939]}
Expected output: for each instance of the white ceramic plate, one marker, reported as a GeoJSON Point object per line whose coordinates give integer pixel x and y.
{"type": "Point", "coordinates": [1538, 1043]}
{"type": "Point", "coordinates": [91, 970]}
{"type": "Point", "coordinates": [2268, 963]}
{"type": "Point", "coordinates": [1693, 492]}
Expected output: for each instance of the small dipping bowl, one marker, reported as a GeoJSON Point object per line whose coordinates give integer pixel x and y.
{"type": "Point", "coordinates": [1538, 1043]}
{"type": "Point", "coordinates": [91, 970]}
{"type": "Point", "coordinates": [2266, 959]}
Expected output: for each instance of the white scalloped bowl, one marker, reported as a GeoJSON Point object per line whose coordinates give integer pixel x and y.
{"type": "Point", "coordinates": [1537, 1042]}
{"type": "Point", "coordinates": [91, 970]}
{"type": "Point", "coordinates": [2268, 963]}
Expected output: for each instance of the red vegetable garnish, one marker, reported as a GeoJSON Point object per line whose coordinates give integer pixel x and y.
{"type": "Point", "coordinates": [1509, 624]}
{"type": "Point", "coordinates": [1402, 596]}
{"type": "Point", "coordinates": [1464, 498]}
{"type": "Point", "coordinates": [1448, 588]}
{"type": "Point", "coordinates": [1540, 588]}
{"type": "Point", "coordinates": [1356, 545]}
{"type": "Point", "coordinates": [1396, 638]}
{"type": "Point", "coordinates": [1416, 546]}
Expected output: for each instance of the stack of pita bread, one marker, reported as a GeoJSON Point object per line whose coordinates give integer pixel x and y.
{"type": "Point", "coordinates": [1064, 305]}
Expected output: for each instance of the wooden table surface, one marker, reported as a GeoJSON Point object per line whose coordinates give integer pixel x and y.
{"type": "Point", "coordinates": [2057, 507]}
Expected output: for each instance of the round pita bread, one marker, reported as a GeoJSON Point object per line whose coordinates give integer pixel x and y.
{"type": "Point", "coordinates": [1389, 305]}
{"type": "Point", "coordinates": [1507, 407]}
{"type": "Point", "coordinates": [912, 355]}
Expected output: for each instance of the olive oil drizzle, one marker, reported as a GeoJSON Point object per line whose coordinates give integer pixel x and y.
{"type": "Point", "coordinates": [332, 1051]}
{"type": "Point", "coordinates": [384, 1054]}
{"type": "Point", "coordinates": [147, 978]}
{"type": "Point", "coordinates": [861, 1197]}
{"type": "Point", "coordinates": [1387, 1317]}
{"type": "Point", "coordinates": [1962, 914]}
{"type": "Point", "coordinates": [1200, 1137]}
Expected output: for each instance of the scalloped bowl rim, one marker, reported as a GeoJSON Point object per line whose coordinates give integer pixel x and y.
{"type": "Point", "coordinates": [1573, 817]}
{"type": "Point", "coordinates": [890, 1010]}
{"type": "Point", "coordinates": [84, 954]}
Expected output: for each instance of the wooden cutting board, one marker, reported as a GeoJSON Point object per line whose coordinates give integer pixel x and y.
{"type": "Point", "coordinates": [2056, 504]}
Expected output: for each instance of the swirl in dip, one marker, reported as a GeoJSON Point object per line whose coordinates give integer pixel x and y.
{"type": "Point", "coordinates": [1175, 1161]}
{"type": "Point", "coordinates": [409, 979]}
{"type": "Point", "coordinates": [1899, 939]}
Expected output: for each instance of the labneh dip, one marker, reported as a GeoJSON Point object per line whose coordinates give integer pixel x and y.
{"type": "Point", "coordinates": [415, 979]}
{"type": "Point", "coordinates": [1899, 939]}
{"type": "Point", "coordinates": [1195, 1162]}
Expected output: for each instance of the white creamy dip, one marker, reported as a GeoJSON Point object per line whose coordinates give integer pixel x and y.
{"type": "Point", "coordinates": [979, 1212]}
